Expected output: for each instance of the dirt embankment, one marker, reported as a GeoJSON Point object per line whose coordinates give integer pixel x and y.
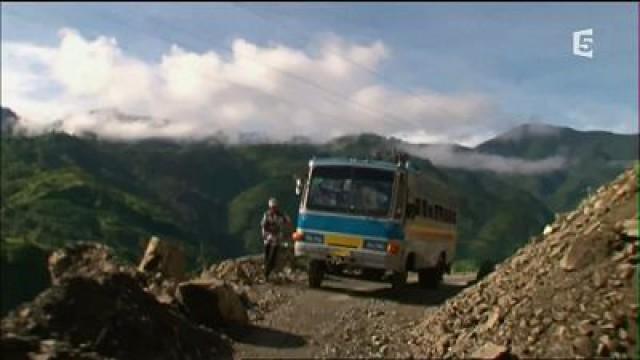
{"type": "Point", "coordinates": [571, 293]}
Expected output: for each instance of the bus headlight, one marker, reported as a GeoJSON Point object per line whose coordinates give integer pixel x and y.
{"type": "Point", "coordinates": [297, 236]}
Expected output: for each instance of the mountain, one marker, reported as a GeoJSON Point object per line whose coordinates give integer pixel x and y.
{"type": "Point", "coordinates": [592, 158]}
{"type": "Point", "coordinates": [209, 196]}
{"type": "Point", "coordinates": [557, 165]}
{"type": "Point", "coordinates": [537, 141]}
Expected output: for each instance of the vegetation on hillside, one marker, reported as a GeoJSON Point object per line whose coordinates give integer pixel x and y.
{"type": "Point", "coordinates": [209, 197]}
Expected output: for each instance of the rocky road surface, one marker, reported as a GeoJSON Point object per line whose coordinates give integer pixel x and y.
{"type": "Point", "coordinates": [346, 317]}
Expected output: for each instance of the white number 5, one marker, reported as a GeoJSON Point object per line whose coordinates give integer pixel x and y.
{"type": "Point", "coordinates": [583, 43]}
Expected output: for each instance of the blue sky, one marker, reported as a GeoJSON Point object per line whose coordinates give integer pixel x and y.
{"type": "Point", "coordinates": [497, 64]}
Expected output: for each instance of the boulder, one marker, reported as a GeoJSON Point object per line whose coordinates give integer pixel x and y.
{"type": "Point", "coordinates": [630, 228]}
{"type": "Point", "coordinates": [491, 351]}
{"type": "Point", "coordinates": [583, 346]}
{"type": "Point", "coordinates": [211, 302]}
{"type": "Point", "coordinates": [582, 252]}
{"type": "Point", "coordinates": [547, 230]}
{"type": "Point", "coordinates": [164, 257]}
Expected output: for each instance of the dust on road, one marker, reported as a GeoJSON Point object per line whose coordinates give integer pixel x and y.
{"type": "Point", "coordinates": [347, 317]}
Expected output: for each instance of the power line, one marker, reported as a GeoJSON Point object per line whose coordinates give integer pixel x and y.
{"type": "Point", "coordinates": [339, 96]}
{"type": "Point", "coordinates": [32, 20]}
{"type": "Point", "coordinates": [41, 23]}
{"type": "Point", "coordinates": [370, 70]}
{"type": "Point", "coordinates": [265, 19]}
{"type": "Point", "coordinates": [228, 81]}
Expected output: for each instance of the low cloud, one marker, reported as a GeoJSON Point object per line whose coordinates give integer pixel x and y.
{"type": "Point", "coordinates": [450, 157]}
{"type": "Point", "coordinates": [276, 90]}
{"type": "Point", "coordinates": [531, 130]}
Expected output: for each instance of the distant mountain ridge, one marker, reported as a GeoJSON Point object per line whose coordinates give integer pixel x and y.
{"type": "Point", "coordinates": [557, 164]}
{"type": "Point", "coordinates": [592, 158]}
{"type": "Point", "coordinates": [209, 195]}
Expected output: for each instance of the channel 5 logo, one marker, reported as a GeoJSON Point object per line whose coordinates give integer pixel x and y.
{"type": "Point", "coordinates": [583, 43]}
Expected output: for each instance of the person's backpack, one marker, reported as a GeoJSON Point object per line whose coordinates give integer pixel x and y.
{"type": "Point", "coordinates": [271, 224]}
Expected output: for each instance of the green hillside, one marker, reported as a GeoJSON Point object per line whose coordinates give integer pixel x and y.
{"type": "Point", "coordinates": [593, 158]}
{"type": "Point", "coordinates": [209, 197]}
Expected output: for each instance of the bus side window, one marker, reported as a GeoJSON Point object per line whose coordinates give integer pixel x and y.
{"type": "Point", "coordinates": [401, 197]}
{"type": "Point", "coordinates": [426, 208]}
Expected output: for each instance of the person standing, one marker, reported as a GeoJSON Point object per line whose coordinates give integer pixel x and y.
{"type": "Point", "coordinates": [273, 225]}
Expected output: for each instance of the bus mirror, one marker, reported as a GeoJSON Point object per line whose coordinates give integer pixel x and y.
{"type": "Point", "coordinates": [298, 186]}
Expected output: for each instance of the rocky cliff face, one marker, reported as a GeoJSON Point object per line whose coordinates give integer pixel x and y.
{"type": "Point", "coordinates": [570, 293]}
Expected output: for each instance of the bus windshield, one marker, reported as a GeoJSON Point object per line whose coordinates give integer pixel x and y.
{"type": "Point", "coordinates": [352, 190]}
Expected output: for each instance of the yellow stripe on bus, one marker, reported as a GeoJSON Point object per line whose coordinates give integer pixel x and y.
{"type": "Point", "coordinates": [419, 232]}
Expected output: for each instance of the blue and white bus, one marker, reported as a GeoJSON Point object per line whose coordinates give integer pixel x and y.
{"type": "Point", "coordinates": [382, 217]}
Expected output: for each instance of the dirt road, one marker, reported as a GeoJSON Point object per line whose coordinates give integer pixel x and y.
{"type": "Point", "coordinates": [345, 318]}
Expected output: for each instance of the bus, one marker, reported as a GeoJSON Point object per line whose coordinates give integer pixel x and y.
{"type": "Point", "coordinates": [384, 218]}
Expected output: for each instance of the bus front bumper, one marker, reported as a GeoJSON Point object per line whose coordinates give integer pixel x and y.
{"type": "Point", "coordinates": [363, 258]}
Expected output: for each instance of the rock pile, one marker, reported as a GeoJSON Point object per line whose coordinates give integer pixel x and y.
{"type": "Point", "coordinates": [211, 303]}
{"type": "Point", "coordinates": [165, 258]}
{"type": "Point", "coordinates": [245, 275]}
{"type": "Point", "coordinates": [100, 309]}
{"type": "Point", "coordinates": [249, 270]}
{"type": "Point", "coordinates": [105, 317]}
{"type": "Point", "coordinates": [84, 259]}
{"type": "Point", "coordinates": [569, 293]}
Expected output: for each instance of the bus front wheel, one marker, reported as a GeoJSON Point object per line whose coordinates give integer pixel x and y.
{"type": "Point", "coordinates": [399, 279]}
{"type": "Point", "coordinates": [316, 273]}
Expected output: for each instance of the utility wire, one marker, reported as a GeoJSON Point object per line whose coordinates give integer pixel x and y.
{"type": "Point", "coordinates": [158, 35]}
{"type": "Point", "coordinates": [114, 19]}
{"type": "Point", "coordinates": [42, 22]}
{"type": "Point", "coordinates": [410, 92]}
{"type": "Point", "coordinates": [338, 96]}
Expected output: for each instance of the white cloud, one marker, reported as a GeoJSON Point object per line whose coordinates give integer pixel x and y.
{"type": "Point", "coordinates": [448, 156]}
{"type": "Point", "coordinates": [276, 90]}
